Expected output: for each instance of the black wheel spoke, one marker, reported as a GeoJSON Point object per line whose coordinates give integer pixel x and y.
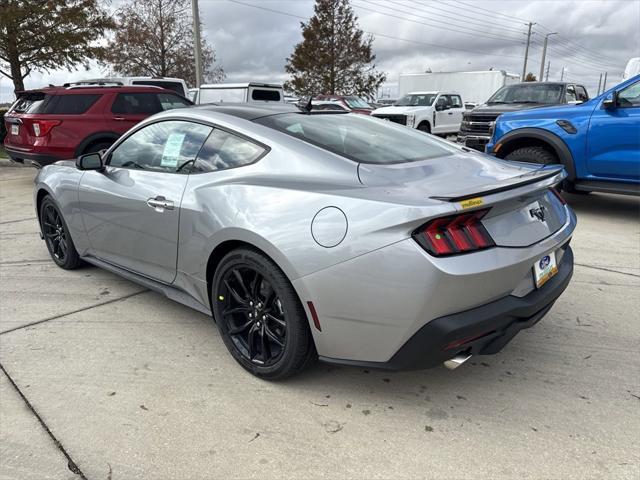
{"type": "Point", "coordinates": [264, 343]}
{"type": "Point", "coordinates": [252, 342]}
{"type": "Point", "coordinates": [273, 336]}
{"type": "Point", "coordinates": [240, 329]}
{"type": "Point", "coordinates": [63, 246]}
{"type": "Point", "coordinates": [240, 280]}
{"type": "Point", "coordinates": [276, 320]}
{"type": "Point", "coordinates": [237, 297]}
{"type": "Point", "coordinates": [255, 285]}
{"type": "Point", "coordinates": [231, 311]}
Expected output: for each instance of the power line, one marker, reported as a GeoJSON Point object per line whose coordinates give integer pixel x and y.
{"type": "Point", "coordinates": [456, 17]}
{"type": "Point", "coordinates": [492, 12]}
{"type": "Point", "coordinates": [572, 52]}
{"type": "Point", "coordinates": [272, 10]}
{"type": "Point", "coordinates": [473, 33]}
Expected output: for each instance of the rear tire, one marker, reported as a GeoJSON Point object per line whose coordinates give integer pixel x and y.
{"type": "Point", "coordinates": [260, 317]}
{"type": "Point", "coordinates": [93, 148]}
{"type": "Point", "coordinates": [533, 155]}
{"type": "Point", "coordinates": [424, 127]}
{"type": "Point", "coordinates": [57, 237]}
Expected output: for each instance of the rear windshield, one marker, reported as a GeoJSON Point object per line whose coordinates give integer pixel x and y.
{"type": "Point", "coordinates": [175, 86]}
{"type": "Point", "coordinates": [358, 137]}
{"type": "Point", "coordinates": [259, 94]}
{"type": "Point", "coordinates": [532, 92]}
{"type": "Point", "coordinates": [356, 102]}
{"type": "Point", "coordinates": [29, 102]}
{"type": "Point", "coordinates": [417, 100]}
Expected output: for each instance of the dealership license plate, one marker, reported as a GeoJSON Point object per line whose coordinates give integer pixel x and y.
{"type": "Point", "coordinates": [15, 129]}
{"type": "Point", "coordinates": [544, 269]}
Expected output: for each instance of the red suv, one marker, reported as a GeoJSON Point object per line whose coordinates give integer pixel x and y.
{"type": "Point", "coordinates": [59, 123]}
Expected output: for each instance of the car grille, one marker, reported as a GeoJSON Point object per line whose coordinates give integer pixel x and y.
{"type": "Point", "coordinates": [477, 124]}
{"type": "Point", "coordinates": [401, 119]}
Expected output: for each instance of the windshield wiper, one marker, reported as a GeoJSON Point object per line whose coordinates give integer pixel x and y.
{"type": "Point", "coordinates": [496, 103]}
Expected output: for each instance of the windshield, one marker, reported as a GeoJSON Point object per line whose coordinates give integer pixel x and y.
{"type": "Point", "coordinates": [356, 102]}
{"type": "Point", "coordinates": [416, 100]}
{"type": "Point", "coordinates": [528, 93]}
{"type": "Point", "coordinates": [358, 137]}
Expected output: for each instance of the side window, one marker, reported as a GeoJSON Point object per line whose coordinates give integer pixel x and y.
{"type": "Point", "coordinates": [136, 103]}
{"type": "Point", "coordinates": [215, 95]}
{"type": "Point", "coordinates": [581, 93]}
{"type": "Point", "coordinates": [630, 96]}
{"type": "Point", "coordinates": [570, 94]}
{"type": "Point", "coordinates": [168, 101]}
{"type": "Point", "coordinates": [224, 150]}
{"type": "Point", "coordinates": [169, 147]}
{"type": "Point", "coordinates": [73, 104]}
{"type": "Point", "coordinates": [456, 101]}
{"type": "Point", "coordinates": [443, 101]}
{"type": "Point", "coordinates": [265, 95]}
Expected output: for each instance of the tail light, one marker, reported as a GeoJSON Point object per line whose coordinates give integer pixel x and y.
{"type": "Point", "coordinates": [454, 234]}
{"type": "Point", "coordinates": [42, 127]}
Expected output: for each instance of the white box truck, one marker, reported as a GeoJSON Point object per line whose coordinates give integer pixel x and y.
{"type": "Point", "coordinates": [474, 87]}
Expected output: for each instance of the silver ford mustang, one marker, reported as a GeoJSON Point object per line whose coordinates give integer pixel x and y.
{"type": "Point", "coordinates": [326, 235]}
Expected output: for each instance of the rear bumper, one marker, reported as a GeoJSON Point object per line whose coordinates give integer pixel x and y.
{"type": "Point", "coordinates": [38, 159]}
{"type": "Point", "coordinates": [483, 330]}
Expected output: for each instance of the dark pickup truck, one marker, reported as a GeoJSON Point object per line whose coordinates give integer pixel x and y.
{"type": "Point", "coordinates": [477, 125]}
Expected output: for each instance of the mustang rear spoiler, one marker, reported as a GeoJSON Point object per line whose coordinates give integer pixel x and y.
{"type": "Point", "coordinates": [513, 182]}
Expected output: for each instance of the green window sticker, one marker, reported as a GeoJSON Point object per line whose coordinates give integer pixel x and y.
{"type": "Point", "coordinates": [171, 153]}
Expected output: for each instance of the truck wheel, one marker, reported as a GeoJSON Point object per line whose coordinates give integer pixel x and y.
{"type": "Point", "coordinates": [424, 127]}
{"type": "Point", "coordinates": [533, 155]}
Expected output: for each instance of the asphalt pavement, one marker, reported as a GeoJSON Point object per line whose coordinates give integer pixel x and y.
{"type": "Point", "coordinates": [102, 379]}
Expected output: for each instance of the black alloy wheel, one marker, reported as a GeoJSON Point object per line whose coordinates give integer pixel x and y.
{"type": "Point", "coordinates": [57, 237]}
{"type": "Point", "coordinates": [253, 315]}
{"type": "Point", "coordinates": [260, 316]}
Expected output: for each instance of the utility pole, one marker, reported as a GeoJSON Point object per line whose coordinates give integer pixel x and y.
{"type": "Point", "coordinates": [604, 82]}
{"type": "Point", "coordinates": [526, 53]}
{"type": "Point", "coordinates": [599, 84]}
{"type": "Point", "coordinates": [562, 74]}
{"type": "Point", "coordinates": [548, 67]}
{"type": "Point", "coordinates": [196, 42]}
{"type": "Point", "coordinates": [544, 53]}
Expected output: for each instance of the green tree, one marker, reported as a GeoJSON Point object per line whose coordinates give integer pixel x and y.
{"type": "Point", "coordinates": [155, 38]}
{"type": "Point", "coordinates": [42, 35]}
{"type": "Point", "coordinates": [334, 56]}
{"type": "Point", "coordinates": [530, 78]}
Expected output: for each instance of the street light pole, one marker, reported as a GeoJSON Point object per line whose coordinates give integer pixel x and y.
{"type": "Point", "coordinates": [544, 54]}
{"type": "Point", "coordinates": [526, 53]}
{"type": "Point", "coordinates": [196, 42]}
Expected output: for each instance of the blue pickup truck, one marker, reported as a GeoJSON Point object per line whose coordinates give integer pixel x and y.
{"type": "Point", "coordinates": [597, 141]}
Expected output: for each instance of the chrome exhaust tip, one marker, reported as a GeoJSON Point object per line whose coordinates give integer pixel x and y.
{"type": "Point", "coordinates": [456, 361]}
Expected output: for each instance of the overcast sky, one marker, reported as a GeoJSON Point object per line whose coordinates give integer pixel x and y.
{"type": "Point", "coordinates": [414, 35]}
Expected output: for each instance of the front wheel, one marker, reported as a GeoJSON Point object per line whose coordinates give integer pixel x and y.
{"type": "Point", "coordinates": [533, 155]}
{"type": "Point", "coordinates": [56, 236]}
{"type": "Point", "coordinates": [260, 317]}
{"type": "Point", "coordinates": [424, 127]}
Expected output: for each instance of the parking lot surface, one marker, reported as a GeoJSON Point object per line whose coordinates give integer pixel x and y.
{"type": "Point", "coordinates": [109, 380]}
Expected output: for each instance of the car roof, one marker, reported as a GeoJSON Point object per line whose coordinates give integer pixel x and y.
{"type": "Point", "coordinates": [133, 79]}
{"type": "Point", "coordinates": [241, 85]}
{"type": "Point", "coordinates": [70, 90]}
{"type": "Point", "coordinates": [248, 111]}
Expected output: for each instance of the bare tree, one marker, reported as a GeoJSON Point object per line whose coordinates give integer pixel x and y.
{"type": "Point", "coordinates": [155, 38]}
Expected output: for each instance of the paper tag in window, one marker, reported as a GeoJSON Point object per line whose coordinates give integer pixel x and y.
{"type": "Point", "coordinates": [172, 148]}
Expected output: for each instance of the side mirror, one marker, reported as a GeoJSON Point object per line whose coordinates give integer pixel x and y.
{"type": "Point", "coordinates": [90, 161]}
{"type": "Point", "coordinates": [610, 101]}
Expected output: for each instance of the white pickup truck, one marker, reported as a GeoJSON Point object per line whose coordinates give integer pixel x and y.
{"type": "Point", "coordinates": [439, 113]}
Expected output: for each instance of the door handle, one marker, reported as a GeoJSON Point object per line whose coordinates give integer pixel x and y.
{"type": "Point", "coordinates": [119, 119]}
{"type": "Point", "coordinates": [160, 204]}
{"type": "Point", "coordinates": [450, 113]}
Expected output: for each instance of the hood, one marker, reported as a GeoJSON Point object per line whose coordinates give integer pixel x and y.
{"type": "Point", "coordinates": [555, 111]}
{"type": "Point", "coordinates": [451, 177]}
{"type": "Point", "coordinates": [501, 108]}
{"type": "Point", "coordinates": [393, 110]}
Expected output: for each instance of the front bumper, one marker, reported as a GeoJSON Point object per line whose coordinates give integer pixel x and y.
{"type": "Point", "coordinates": [484, 330]}
{"type": "Point", "coordinates": [477, 142]}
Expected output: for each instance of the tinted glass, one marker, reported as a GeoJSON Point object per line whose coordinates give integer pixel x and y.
{"type": "Point", "coordinates": [175, 86]}
{"type": "Point", "coordinates": [216, 95]}
{"type": "Point", "coordinates": [169, 101]}
{"type": "Point", "coordinates": [630, 96]}
{"type": "Point", "coordinates": [70, 104]}
{"type": "Point", "coordinates": [224, 150]}
{"type": "Point", "coordinates": [358, 137]}
{"type": "Point", "coordinates": [29, 102]}
{"type": "Point", "coordinates": [265, 95]}
{"type": "Point", "coordinates": [169, 146]}
{"type": "Point", "coordinates": [581, 93]}
{"type": "Point", "coordinates": [415, 100]}
{"type": "Point", "coordinates": [529, 93]}
{"type": "Point", "coordinates": [137, 103]}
